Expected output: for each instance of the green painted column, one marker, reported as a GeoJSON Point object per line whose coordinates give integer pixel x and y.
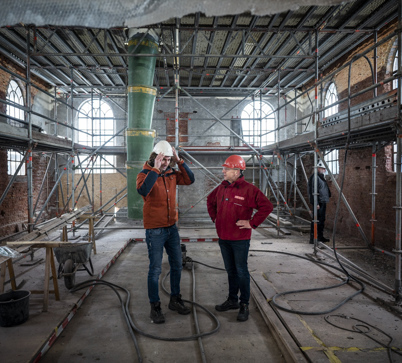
{"type": "Point", "coordinates": [141, 100]}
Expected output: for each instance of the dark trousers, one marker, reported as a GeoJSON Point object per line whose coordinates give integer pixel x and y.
{"type": "Point", "coordinates": [320, 224]}
{"type": "Point", "coordinates": [157, 239]}
{"type": "Point", "coordinates": [235, 255]}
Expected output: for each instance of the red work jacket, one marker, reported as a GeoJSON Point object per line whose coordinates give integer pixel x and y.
{"type": "Point", "coordinates": [231, 202]}
{"type": "Point", "coordinates": [159, 193]}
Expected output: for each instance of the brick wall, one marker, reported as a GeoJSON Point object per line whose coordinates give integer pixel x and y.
{"type": "Point", "coordinates": [14, 209]}
{"type": "Point", "coordinates": [357, 189]}
{"type": "Point", "coordinates": [358, 177]}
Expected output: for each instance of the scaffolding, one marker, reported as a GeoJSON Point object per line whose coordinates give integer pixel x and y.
{"type": "Point", "coordinates": [358, 126]}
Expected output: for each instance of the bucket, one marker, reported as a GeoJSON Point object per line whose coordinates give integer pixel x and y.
{"type": "Point", "coordinates": [14, 307]}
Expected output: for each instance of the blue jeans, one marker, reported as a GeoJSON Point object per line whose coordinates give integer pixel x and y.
{"type": "Point", "coordinates": [156, 239]}
{"type": "Point", "coordinates": [235, 254]}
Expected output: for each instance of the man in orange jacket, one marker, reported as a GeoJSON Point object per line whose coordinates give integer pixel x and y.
{"type": "Point", "coordinates": [157, 185]}
{"type": "Point", "coordinates": [230, 207]}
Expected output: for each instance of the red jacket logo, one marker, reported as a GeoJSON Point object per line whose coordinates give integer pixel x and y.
{"type": "Point", "coordinates": [237, 197]}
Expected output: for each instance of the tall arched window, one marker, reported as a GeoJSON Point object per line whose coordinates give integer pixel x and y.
{"type": "Point", "coordinates": [14, 96]}
{"type": "Point", "coordinates": [394, 69]}
{"type": "Point", "coordinates": [97, 122]}
{"type": "Point", "coordinates": [256, 122]}
{"type": "Point", "coordinates": [331, 97]}
{"type": "Point", "coordinates": [395, 86]}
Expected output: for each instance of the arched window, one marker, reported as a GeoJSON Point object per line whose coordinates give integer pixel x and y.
{"type": "Point", "coordinates": [395, 86]}
{"type": "Point", "coordinates": [256, 122]}
{"type": "Point", "coordinates": [14, 96]}
{"type": "Point", "coordinates": [394, 69]}
{"type": "Point", "coordinates": [331, 97]}
{"type": "Point", "coordinates": [14, 159]}
{"type": "Point", "coordinates": [96, 120]}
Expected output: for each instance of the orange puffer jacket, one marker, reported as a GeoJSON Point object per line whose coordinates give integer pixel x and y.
{"type": "Point", "coordinates": [159, 193]}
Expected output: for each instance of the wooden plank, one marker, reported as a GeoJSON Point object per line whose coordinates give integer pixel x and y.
{"type": "Point", "coordinates": [273, 217]}
{"type": "Point", "coordinates": [286, 343]}
{"type": "Point", "coordinates": [41, 244]}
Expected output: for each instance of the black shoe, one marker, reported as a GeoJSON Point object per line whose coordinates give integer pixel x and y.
{"type": "Point", "coordinates": [176, 304]}
{"type": "Point", "coordinates": [156, 313]}
{"type": "Point", "coordinates": [243, 312]}
{"type": "Point", "coordinates": [227, 305]}
{"type": "Point", "coordinates": [323, 239]}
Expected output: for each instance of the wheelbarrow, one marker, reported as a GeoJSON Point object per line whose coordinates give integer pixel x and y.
{"type": "Point", "coordinates": [71, 258]}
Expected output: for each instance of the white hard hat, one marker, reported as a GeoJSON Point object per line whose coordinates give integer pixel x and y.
{"type": "Point", "coordinates": [320, 164]}
{"type": "Point", "coordinates": [163, 147]}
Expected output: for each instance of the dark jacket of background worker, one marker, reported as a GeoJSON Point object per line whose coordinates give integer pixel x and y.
{"type": "Point", "coordinates": [157, 185]}
{"type": "Point", "coordinates": [230, 207]}
{"type": "Point", "coordinates": [323, 196]}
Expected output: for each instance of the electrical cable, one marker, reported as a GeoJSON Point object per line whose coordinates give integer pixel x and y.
{"type": "Point", "coordinates": [315, 289]}
{"type": "Point", "coordinates": [358, 329]}
{"type": "Point", "coordinates": [131, 325]}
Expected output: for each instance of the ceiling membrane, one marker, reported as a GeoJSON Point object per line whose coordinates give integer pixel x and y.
{"type": "Point", "coordinates": [135, 13]}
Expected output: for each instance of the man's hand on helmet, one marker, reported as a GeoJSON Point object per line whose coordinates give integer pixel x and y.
{"type": "Point", "coordinates": [158, 160]}
{"type": "Point", "coordinates": [175, 157]}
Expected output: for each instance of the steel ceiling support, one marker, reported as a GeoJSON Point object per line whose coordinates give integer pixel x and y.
{"type": "Point", "coordinates": [329, 59]}
{"type": "Point", "coordinates": [273, 19]}
{"type": "Point", "coordinates": [209, 47]}
{"type": "Point", "coordinates": [99, 47]}
{"type": "Point", "coordinates": [45, 59]}
{"type": "Point", "coordinates": [73, 36]}
{"type": "Point", "coordinates": [282, 66]}
{"type": "Point", "coordinates": [114, 46]}
{"type": "Point", "coordinates": [323, 43]}
{"type": "Point", "coordinates": [276, 50]}
{"type": "Point", "coordinates": [67, 62]}
{"type": "Point", "coordinates": [194, 47]}
{"type": "Point", "coordinates": [16, 57]}
{"type": "Point", "coordinates": [228, 41]}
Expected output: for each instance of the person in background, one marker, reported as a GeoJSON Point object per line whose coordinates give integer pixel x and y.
{"type": "Point", "coordinates": [230, 207]}
{"type": "Point", "coordinates": [323, 196]}
{"type": "Point", "coordinates": [156, 183]}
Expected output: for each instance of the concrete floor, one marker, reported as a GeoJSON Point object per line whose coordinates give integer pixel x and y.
{"type": "Point", "coordinates": [98, 331]}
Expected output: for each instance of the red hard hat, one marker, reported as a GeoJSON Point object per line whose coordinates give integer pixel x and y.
{"type": "Point", "coordinates": [235, 162]}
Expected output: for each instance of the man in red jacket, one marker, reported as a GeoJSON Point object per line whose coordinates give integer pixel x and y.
{"type": "Point", "coordinates": [230, 207]}
{"type": "Point", "coordinates": [157, 185]}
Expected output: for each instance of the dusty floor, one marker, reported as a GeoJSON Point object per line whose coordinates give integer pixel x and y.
{"type": "Point", "coordinates": [97, 330]}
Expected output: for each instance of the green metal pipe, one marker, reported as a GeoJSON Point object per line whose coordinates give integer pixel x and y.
{"type": "Point", "coordinates": [141, 100]}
